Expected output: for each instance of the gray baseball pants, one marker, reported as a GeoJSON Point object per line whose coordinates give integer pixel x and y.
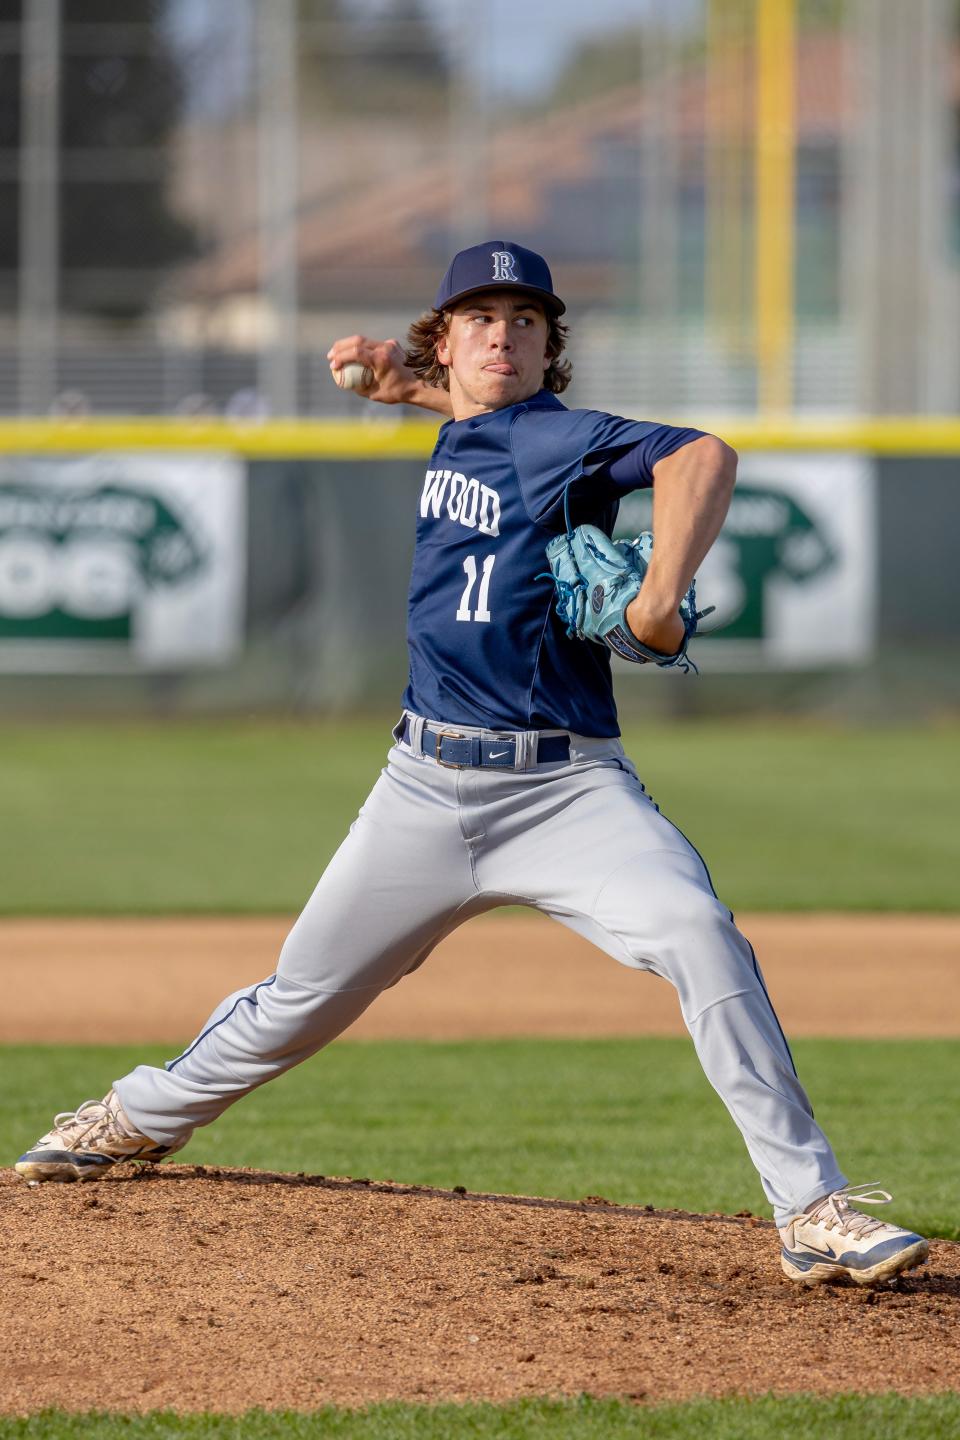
{"type": "Point", "coordinates": [433, 846]}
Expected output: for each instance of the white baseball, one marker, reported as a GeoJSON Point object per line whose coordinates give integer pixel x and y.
{"type": "Point", "coordinates": [353, 377]}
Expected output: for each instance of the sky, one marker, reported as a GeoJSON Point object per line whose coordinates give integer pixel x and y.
{"type": "Point", "coordinates": [529, 40]}
{"type": "Point", "coordinates": [525, 42]}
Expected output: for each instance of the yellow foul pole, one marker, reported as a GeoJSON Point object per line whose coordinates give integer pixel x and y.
{"type": "Point", "coordinates": [774, 203]}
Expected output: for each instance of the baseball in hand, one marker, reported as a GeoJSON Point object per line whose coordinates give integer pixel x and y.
{"type": "Point", "coordinates": [353, 377]}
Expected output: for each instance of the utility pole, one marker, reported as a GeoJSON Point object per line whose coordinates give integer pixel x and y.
{"type": "Point", "coordinates": [39, 212]}
{"type": "Point", "coordinates": [468, 124]}
{"type": "Point", "coordinates": [278, 203]}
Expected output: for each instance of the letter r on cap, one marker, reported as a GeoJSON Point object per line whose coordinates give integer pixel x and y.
{"type": "Point", "coordinates": [503, 263]}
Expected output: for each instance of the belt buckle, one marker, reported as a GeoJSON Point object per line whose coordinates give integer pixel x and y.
{"type": "Point", "coordinates": [449, 735]}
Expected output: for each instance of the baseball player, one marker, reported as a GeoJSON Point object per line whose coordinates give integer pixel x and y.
{"type": "Point", "coordinates": [507, 782]}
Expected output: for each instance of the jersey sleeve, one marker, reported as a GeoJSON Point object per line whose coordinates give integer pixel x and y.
{"type": "Point", "coordinates": [600, 457]}
{"type": "Point", "coordinates": [633, 469]}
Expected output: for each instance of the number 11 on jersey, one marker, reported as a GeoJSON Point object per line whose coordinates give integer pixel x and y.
{"type": "Point", "coordinates": [470, 566]}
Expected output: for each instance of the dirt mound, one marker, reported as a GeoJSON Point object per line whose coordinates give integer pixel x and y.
{"type": "Point", "coordinates": [202, 1289]}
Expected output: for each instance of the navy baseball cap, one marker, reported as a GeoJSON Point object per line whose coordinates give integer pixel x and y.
{"type": "Point", "coordinates": [496, 265]}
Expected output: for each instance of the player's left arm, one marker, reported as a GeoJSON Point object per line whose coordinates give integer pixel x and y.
{"type": "Point", "coordinates": [691, 496]}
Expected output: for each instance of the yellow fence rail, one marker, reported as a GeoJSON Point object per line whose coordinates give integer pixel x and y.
{"type": "Point", "coordinates": [414, 439]}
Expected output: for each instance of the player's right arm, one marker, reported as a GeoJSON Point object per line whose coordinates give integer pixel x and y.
{"type": "Point", "coordinates": [394, 383]}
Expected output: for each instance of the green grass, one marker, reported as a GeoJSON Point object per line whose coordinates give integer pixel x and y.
{"type": "Point", "coordinates": [242, 817]}
{"type": "Point", "coordinates": [799, 1417]}
{"type": "Point", "coordinates": [633, 1120]}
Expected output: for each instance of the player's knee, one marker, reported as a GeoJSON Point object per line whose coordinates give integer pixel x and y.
{"type": "Point", "coordinates": [658, 901]}
{"type": "Point", "coordinates": [694, 924]}
{"type": "Point", "coordinates": [700, 950]}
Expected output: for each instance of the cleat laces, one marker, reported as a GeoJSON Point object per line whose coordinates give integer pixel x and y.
{"type": "Point", "coordinates": [91, 1118]}
{"type": "Point", "coordinates": [835, 1212]}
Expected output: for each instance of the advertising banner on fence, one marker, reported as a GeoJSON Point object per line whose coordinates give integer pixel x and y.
{"type": "Point", "coordinates": [120, 562]}
{"type": "Point", "coordinates": [792, 573]}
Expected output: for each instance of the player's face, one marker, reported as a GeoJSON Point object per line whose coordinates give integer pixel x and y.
{"type": "Point", "coordinates": [495, 351]}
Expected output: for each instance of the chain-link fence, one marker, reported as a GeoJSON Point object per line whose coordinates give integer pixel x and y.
{"type": "Point", "coordinates": [747, 203]}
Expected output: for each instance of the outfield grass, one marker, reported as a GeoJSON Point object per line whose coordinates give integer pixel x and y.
{"type": "Point", "coordinates": [222, 817]}
{"type": "Point", "coordinates": [633, 1120]}
{"type": "Point", "coordinates": [799, 1417]}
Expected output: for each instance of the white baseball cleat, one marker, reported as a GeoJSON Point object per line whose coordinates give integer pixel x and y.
{"type": "Point", "coordinates": [834, 1239]}
{"type": "Point", "coordinates": [86, 1142]}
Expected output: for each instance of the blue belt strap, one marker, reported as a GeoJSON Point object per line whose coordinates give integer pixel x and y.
{"type": "Point", "coordinates": [462, 751]}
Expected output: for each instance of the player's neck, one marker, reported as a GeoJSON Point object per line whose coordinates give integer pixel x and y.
{"type": "Point", "coordinates": [471, 411]}
{"type": "Point", "coordinates": [466, 407]}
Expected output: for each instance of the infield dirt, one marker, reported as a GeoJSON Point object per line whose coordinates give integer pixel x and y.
{"type": "Point", "coordinates": [197, 1289]}
{"type": "Point", "coordinates": [155, 981]}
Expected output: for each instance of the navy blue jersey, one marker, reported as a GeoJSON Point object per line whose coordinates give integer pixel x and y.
{"type": "Point", "coordinates": [486, 647]}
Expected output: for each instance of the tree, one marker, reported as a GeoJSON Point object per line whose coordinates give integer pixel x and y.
{"type": "Point", "coordinates": [120, 99]}
{"type": "Point", "coordinates": [597, 66]}
{"type": "Point", "coordinates": [392, 62]}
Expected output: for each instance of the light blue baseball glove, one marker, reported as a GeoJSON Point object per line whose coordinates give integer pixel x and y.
{"type": "Point", "coordinates": [596, 578]}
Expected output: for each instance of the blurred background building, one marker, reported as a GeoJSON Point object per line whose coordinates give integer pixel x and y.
{"type": "Point", "coordinates": [197, 195]}
{"type": "Point", "coordinates": [752, 208]}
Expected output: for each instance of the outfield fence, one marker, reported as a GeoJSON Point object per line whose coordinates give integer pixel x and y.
{"type": "Point", "coordinates": [190, 565]}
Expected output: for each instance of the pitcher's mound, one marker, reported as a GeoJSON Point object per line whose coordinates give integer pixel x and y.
{"type": "Point", "coordinates": [198, 1289]}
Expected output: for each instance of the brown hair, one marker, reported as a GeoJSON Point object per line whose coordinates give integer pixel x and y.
{"type": "Point", "coordinates": [425, 334]}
